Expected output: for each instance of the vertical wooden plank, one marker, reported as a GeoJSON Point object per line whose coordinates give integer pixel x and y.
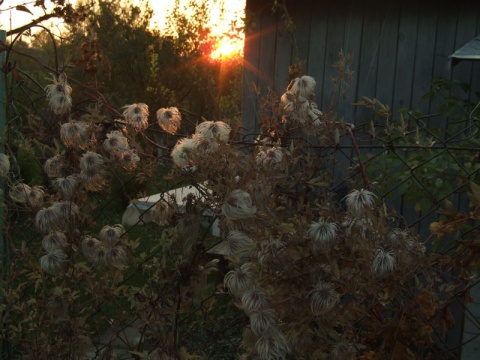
{"type": "Point", "coordinates": [387, 53]}
{"type": "Point", "coordinates": [369, 52]}
{"type": "Point", "coordinates": [283, 57]}
{"type": "Point", "coordinates": [423, 71]}
{"type": "Point", "coordinates": [318, 47]}
{"type": "Point", "coordinates": [351, 45]}
{"type": "Point", "coordinates": [302, 17]}
{"type": "Point", "coordinates": [445, 39]}
{"type": "Point", "coordinates": [335, 42]}
{"type": "Point", "coordinates": [406, 47]}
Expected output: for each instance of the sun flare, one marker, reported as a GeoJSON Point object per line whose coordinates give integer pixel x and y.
{"type": "Point", "coordinates": [227, 48]}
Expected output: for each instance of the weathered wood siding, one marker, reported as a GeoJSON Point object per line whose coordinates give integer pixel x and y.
{"type": "Point", "coordinates": [398, 47]}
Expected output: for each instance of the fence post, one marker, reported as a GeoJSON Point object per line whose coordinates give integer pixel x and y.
{"type": "Point", "coordinates": [3, 117]}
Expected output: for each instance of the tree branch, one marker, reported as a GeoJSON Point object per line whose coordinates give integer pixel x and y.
{"type": "Point", "coordinates": [33, 23]}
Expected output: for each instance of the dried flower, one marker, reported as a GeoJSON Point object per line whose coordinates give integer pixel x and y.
{"type": "Point", "coordinates": [115, 257]}
{"type": "Point", "coordinates": [111, 235]}
{"type": "Point", "coordinates": [274, 254]}
{"type": "Point", "coordinates": [303, 86]}
{"type": "Point", "coordinates": [55, 166]}
{"type": "Point", "coordinates": [183, 151]}
{"type": "Point", "coordinates": [54, 261]}
{"type": "Point", "coordinates": [90, 245]}
{"type": "Point", "coordinates": [58, 94]}
{"type": "Point", "coordinates": [24, 194]}
{"type": "Point", "coordinates": [99, 256]}
{"type": "Point", "coordinates": [74, 134]}
{"type": "Point", "coordinates": [254, 299]}
{"type": "Point", "coordinates": [321, 232]}
{"type": "Point", "coordinates": [91, 161]}
{"type": "Point", "coordinates": [240, 279]}
{"type": "Point", "coordinates": [324, 297]}
{"type": "Point", "coordinates": [136, 115]}
{"type": "Point", "coordinates": [66, 186]}
{"type": "Point", "coordinates": [93, 179]}
{"type": "Point", "coordinates": [238, 205]}
{"type": "Point", "coordinates": [115, 141]}
{"type": "Point", "coordinates": [55, 240]}
{"type": "Point", "coordinates": [214, 129]}
{"type": "Point", "coordinates": [262, 320]}
{"type": "Point", "coordinates": [384, 262]}
{"type": "Point", "coordinates": [359, 200]}
{"type": "Point", "coordinates": [57, 217]}
{"type": "Point", "coordinates": [272, 345]}
{"type": "Point", "coordinates": [4, 165]}
{"type": "Point", "coordinates": [236, 241]}
{"type": "Point", "coordinates": [169, 119]}
{"type": "Point", "coordinates": [128, 158]}
{"type": "Point", "coordinates": [205, 144]}
{"type": "Point", "coordinates": [271, 156]}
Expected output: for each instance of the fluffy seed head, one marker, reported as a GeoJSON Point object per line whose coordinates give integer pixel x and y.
{"type": "Point", "coordinates": [384, 262]}
{"type": "Point", "coordinates": [240, 279]}
{"type": "Point", "coordinates": [359, 200]}
{"type": "Point", "coordinates": [110, 235]}
{"type": "Point", "coordinates": [238, 205]}
{"type": "Point", "coordinates": [214, 129]}
{"type": "Point", "coordinates": [272, 345]}
{"type": "Point", "coordinates": [4, 165]}
{"type": "Point", "coordinates": [136, 115]}
{"type": "Point", "coordinates": [58, 95]}
{"type": "Point", "coordinates": [68, 210]}
{"type": "Point", "coordinates": [271, 156]}
{"type": "Point", "coordinates": [74, 134]}
{"type": "Point", "coordinates": [115, 141]}
{"type": "Point", "coordinates": [183, 151]}
{"type": "Point", "coordinates": [66, 186]}
{"type": "Point", "coordinates": [55, 240]}
{"type": "Point", "coordinates": [55, 166]}
{"type": "Point", "coordinates": [323, 297]}
{"type": "Point", "coordinates": [24, 194]}
{"type": "Point", "coordinates": [205, 144]}
{"type": "Point", "coordinates": [321, 232]}
{"type": "Point", "coordinates": [169, 119]}
{"type": "Point", "coordinates": [91, 161]}
{"type": "Point", "coordinates": [262, 320]}
{"type": "Point", "coordinates": [90, 245]}
{"type": "Point", "coordinates": [236, 241]}
{"type": "Point", "coordinates": [54, 261]}
{"type": "Point", "coordinates": [303, 86]}
{"type": "Point", "coordinates": [115, 257]}
{"type": "Point", "coordinates": [254, 299]}
{"type": "Point", "coordinates": [128, 158]}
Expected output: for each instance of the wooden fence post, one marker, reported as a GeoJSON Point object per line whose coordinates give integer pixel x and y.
{"type": "Point", "coordinates": [3, 116]}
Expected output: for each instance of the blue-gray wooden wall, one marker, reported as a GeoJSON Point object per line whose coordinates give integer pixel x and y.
{"type": "Point", "coordinates": [398, 47]}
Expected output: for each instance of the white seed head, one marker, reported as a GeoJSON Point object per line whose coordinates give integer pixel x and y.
{"type": "Point", "coordinates": [272, 156]}
{"type": "Point", "coordinates": [91, 161]}
{"type": "Point", "coordinates": [59, 95]}
{"type": "Point", "coordinates": [214, 129]}
{"type": "Point", "coordinates": [55, 166]}
{"type": "Point", "coordinates": [169, 119]}
{"type": "Point", "coordinates": [262, 320]}
{"type": "Point", "coordinates": [303, 86]}
{"type": "Point", "coordinates": [55, 240]}
{"type": "Point", "coordinates": [272, 345]}
{"type": "Point", "coordinates": [384, 262]}
{"type": "Point", "coordinates": [111, 235]}
{"type": "Point", "coordinates": [115, 257]}
{"type": "Point", "coordinates": [241, 279]}
{"type": "Point", "coordinates": [90, 245]}
{"type": "Point", "coordinates": [66, 186]}
{"type": "Point", "coordinates": [238, 205]}
{"type": "Point", "coordinates": [359, 200]}
{"type": "Point", "coordinates": [54, 261]}
{"type": "Point", "coordinates": [74, 134]}
{"type": "Point", "coordinates": [254, 299]}
{"type": "Point", "coordinates": [182, 152]}
{"type": "Point", "coordinates": [128, 158]}
{"type": "Point", "coordinates": [115, 141]}
{"type": "Point", "coordinates": [323, 298]}
{"type": "Point", "coordinates": [321, 232]}
{"type": "Point", "coordinates": [136, 115]}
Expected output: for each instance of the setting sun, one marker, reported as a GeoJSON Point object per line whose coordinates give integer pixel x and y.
{"type": "Point", "coordinates": [227, 48]}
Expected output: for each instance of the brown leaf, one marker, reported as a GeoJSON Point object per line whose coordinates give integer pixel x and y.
{"type": "Point", "coordinates": [23, 8]}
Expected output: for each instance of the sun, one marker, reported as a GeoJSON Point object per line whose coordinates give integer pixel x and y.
{"type": "Point", "coordinates": [227, 48]}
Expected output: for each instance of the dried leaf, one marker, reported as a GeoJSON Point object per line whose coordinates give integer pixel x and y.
{"type": "Point", "coordinates": [23, 8]}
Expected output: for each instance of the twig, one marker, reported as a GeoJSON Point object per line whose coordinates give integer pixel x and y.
{"type": "Point", "coordinates": [360, 162]}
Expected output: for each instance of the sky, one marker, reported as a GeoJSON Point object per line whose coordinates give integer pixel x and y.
{"type": "Point", "coordinates": [234, 10]}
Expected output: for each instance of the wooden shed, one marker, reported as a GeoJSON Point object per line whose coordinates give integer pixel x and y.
{"type": "Point", "coordinates": [398, 48]}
